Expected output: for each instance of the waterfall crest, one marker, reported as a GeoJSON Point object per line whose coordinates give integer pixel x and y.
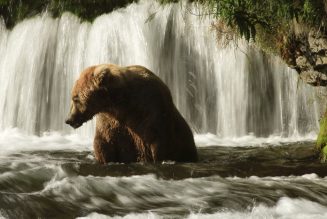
{"type": "Point", "coordinates": [230, 92]}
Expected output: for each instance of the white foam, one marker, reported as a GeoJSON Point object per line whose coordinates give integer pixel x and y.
{"type": "Point", "coordinates": [149, 215]}
{"type": "Point", "coordinates": [13, 140]}
{"type": "Point", "coordinates": [204, 140]}
{"type": "Point", "coordinates": [132, 192]}
{"type": "Point", "coordinates": [286, 208]}
{"type": "Point", "coordinates": [310, 176]}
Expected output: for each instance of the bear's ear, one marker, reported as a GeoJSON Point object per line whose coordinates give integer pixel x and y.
{"type": "Point", "coordinates": [101, 76]}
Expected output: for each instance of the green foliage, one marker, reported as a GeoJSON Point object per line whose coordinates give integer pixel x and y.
{"type": "Point", "coordinates": [15, 10]}
{"type": "Point", "coordinates": [322, 138]}
{"type": "Point", "coordinates": [270, 15]}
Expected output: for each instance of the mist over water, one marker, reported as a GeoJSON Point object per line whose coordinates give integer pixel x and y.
{"type": "Point", "coordinates": [229, 92]}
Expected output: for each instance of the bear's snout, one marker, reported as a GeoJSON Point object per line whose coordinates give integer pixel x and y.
{"type": "Point", "coordinates": [68, 121]}
{"type": "Point", "coordinates": [75, 124]}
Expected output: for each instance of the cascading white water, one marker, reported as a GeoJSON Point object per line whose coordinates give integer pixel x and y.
{"type": "Point", "coordinates": [228, 92]}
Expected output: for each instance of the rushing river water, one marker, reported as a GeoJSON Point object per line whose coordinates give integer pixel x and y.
{"type": "Point", "coordinates": [56, 176]}
{"type": "Point", "coordinates": [254, 123]}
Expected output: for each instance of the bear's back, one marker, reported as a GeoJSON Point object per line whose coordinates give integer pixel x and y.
{"type": "Point", "coordinates": [146, 106]}
{"type": "Point", "coordinates": [145, 83]}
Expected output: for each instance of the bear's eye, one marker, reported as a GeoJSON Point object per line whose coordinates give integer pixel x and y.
{"type": "Point", "coordinates": [76, 99]}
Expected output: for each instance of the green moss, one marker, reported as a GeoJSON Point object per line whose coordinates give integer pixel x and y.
{"type": "Point", "coordinates": [322, 138]}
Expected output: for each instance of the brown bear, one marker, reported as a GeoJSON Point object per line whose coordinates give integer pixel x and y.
{"type": "Point", "coordinates": [136, 119]}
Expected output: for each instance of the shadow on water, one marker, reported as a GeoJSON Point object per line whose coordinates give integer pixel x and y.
{"type": "Point", "coordinates": [291, 159]}
{"type": "Point", "coordinates": [295, 159]}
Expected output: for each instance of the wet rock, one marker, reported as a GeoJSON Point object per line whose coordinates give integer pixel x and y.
{"type": "Point", "coordinates": [317, 41]}
{"type": "Point", "coordinates": [314, 78]}
{"type": "Point", "coordinates": [309, 52]}
{"type": "Point", "coordinates": [321, 60]}
{"type": "Point", "coordinates": [302, 62]}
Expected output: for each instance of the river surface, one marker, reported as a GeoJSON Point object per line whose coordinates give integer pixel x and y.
{"type": "Point", "coordinates": [56, 176]}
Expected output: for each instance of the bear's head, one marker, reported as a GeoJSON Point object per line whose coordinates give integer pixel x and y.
{"type": "Point", "coordinates": [88, 95]}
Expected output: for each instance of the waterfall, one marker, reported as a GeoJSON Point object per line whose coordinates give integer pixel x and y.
{"type": "Point", "coordinates": [229, 92]}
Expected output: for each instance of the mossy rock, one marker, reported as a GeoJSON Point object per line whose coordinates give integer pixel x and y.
{"type": "Point", "coordinates": [322, 138]}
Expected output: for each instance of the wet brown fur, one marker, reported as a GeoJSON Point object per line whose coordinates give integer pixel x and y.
{"type": "Point", "coordinates": [136, 119]}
